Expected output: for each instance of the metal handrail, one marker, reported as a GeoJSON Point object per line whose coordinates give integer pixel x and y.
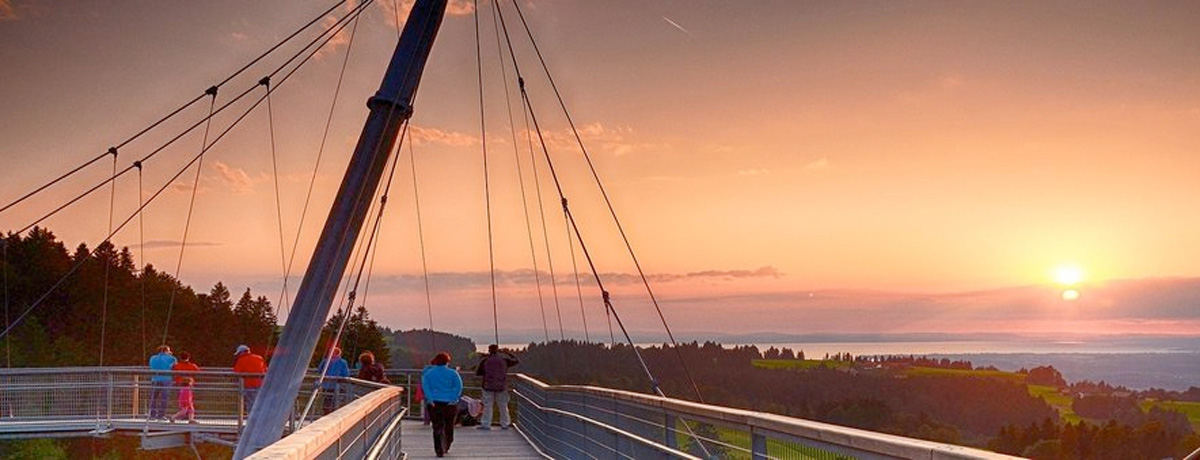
{"type": "Point", "coordinates": [98, 400]}
{"type": "Point", "coordinates": [745, 433]}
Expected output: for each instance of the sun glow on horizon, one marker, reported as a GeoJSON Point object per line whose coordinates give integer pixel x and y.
{"type": "Point", "coordinates": [1068, 275]}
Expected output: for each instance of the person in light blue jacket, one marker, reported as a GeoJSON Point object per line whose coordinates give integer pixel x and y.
{"type": "Point", "coordinates": [443, 387]}
{"type": "Point", "coordinates": [163, 361]}
{"type": "Point", "coordinates": [329, 387]}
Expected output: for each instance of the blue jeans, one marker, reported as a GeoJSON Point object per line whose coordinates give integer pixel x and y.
{"type": "Point", "coordinates": [159, 394]}
{"type": "Point", "coordinates": [248, 395]}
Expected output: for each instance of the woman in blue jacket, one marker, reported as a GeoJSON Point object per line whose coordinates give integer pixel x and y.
{"type": "Point", "coordinates": [442, 386]}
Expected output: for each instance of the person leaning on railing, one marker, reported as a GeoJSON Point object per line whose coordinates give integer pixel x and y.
{"type": "Point", "coordinates": [248, 362]}
{"type": "Point", "coordinates": [162, 361]}
{"type": "Point", "coordinates": [494, 370]}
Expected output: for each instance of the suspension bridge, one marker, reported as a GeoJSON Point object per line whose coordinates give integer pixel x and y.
{"type": "Point", "coordinates": [370, 420]}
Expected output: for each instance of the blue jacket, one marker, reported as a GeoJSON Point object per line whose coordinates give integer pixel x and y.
{"type": "Point", "coordinates": [338, 369]}
{"type": "Point", "coordinates": [441, 384]}
{"type": "Point", "coordinates": [161, 362]}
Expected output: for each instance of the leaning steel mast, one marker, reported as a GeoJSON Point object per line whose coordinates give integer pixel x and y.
{"type": "Point", "coordinates": [390, 108]}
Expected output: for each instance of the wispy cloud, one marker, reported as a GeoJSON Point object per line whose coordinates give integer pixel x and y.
{"type": "Point", "coordinates": [423, 135]}
{"type": "Point", "coordinates": [160, 244]}
{"type": "Point", "coordinates": [822, 163]}
{"type": "Point", "coordinates": [677, 26]}
{"type": "Point", "coordinates": [615, 140]}
{"type": "Point", "coordinates": [239, 36]}
{"type": "Point", "coordinates": [236, 179]}
{"type": "Point", "coordinates": [527, 277]}
{"type": "Point", "coordinates": [453, 8]}
{"type": "Point", "coordinates": [7, 11]}
{"type": "Point", "coordinates": [753, 172]}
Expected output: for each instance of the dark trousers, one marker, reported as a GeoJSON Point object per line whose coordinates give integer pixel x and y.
{"type": "Point", "coordinates": [443, 416]}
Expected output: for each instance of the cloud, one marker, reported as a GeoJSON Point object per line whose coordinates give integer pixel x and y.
{"type": "Point", "coordinates": [161, 244]}
{"type": "Point", "coordinates": [339, 40]}
{"type": "Point", "coordinates": [7, 11]}
{"type": "Point", "coordinates": [239, 36]}
{"type": "Point", "coordinates": [453, 8]}
{"type": "Point", "coordinates": [422, 135]}
{"type": "Point", "coordinates": [822, 163]}
{"type": "Point", "coordinates": [527, 277]}
{"type": "Point", "coordinates": [614, 140]}
{"type": "Point", "coordinates": [753, 172]}
{"type": "Point", "coordinates": [236, 179]}
{"type": "Point", "coordinates": [677, 26]}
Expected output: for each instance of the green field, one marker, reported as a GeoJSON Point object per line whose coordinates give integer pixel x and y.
{"type": "Point", "coordinates": [1059, 401]}
{"type": "Point", "coordinates": [917, 371]}
{"type": "Point", "coordinates": [1190, 409]}
{"type": "Point", "coordinates": [800, 364]}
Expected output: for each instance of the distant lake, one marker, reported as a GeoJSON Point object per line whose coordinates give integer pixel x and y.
{"type": "Point", "coordinates": [817, 350]}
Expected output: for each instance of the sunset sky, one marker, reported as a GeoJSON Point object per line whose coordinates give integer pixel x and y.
{"type": "Point", "coordinates": [779, 166]}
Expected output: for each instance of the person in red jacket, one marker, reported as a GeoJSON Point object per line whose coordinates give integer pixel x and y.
{"type": "Point", "coordinates": [184, 364]}
{"type": "Point", "coordinates": [248, 362]}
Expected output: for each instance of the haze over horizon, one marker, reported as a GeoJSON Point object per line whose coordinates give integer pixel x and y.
{"type": "Point", "coordinates": [790, 167]}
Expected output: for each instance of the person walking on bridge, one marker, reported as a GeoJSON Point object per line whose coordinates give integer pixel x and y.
{"type": "Point", "coordinates": [371, 370]}
{"type": "Point", "coordinates": [162, 361]}
{"type": "Point", "coordinates": [248, 362]}
{"type": "Point", "coordinates": [443, 387]}
{"type": "Point", "coordinates": [494, 370]}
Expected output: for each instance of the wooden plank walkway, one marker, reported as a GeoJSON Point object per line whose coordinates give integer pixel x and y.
{"type": "Point", "coordinates": [469, 443]}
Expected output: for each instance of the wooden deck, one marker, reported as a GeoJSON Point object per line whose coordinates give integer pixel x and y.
{"type": "Point", "coordinates": [469, 443]}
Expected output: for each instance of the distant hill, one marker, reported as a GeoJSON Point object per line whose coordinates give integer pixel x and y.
{"type": "Point", "coordinates": [415, 347]}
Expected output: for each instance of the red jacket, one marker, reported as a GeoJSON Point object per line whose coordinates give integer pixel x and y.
{"type": "Point", "coordinates": [251, 363]}
{"type": "Point", "coordinates": [183, 366]}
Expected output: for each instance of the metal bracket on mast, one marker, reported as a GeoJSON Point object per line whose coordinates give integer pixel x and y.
{"type": "Point", "coordinates": [389, 109]}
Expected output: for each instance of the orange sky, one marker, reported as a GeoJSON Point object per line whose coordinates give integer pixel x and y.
{"type": "Point", "coordinates": [929, 147]}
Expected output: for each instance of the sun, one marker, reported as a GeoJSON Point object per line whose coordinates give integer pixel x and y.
{"type": "Point", "coordinates": [1068, 275]}
{"type": "Point", "coordinates": [1070, 295]}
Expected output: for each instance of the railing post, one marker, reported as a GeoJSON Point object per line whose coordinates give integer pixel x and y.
{"type": "Point", "coordinates": [241, 404]}
{"type": "Point", "coordinates": [137, 388]}
{"type": "Point", "coordinates": [669, 422]}
{"type": "Point", "coordinates": [110, 399]}
{"type": "Point", "coordinates": [758, 444]}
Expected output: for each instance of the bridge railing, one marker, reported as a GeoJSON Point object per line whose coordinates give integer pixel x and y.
{"type": "Point", "coordinates": [39, 400]}
{"type": "Point", "coordinates": [575, 421]}
{"type": "Point", "coordinates": [368, 428]}
{"type": "Point", "coordinates": [410, 381]}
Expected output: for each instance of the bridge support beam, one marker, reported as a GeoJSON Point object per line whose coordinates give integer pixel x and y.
{"type": "Point", "coordinates": [389, 109]}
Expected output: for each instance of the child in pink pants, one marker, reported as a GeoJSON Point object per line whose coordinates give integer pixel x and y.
{"type": "Point", "coordinates": [187, 401]}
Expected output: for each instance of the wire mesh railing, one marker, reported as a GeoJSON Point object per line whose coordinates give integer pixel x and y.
{"type": "Point", "coordinates": [102, 399]}
{"type": "Point", "coordinates": [574, 421]}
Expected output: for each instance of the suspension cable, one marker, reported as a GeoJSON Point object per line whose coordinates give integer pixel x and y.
{"type": "Point", "coordinates": [174, 112]}
{"type": "Point", "coordinates": [313, 179]}
{"type": "Point", "coordinates": [138, 164]}
{"type": "Point", "coordinates": [325, 36]}
{"type": "Point", "coordinates": [596, 273]}
{"type": "Point", "coordinates": [608, 202]}
{"type": "Point", "coordinates": [187, 223]}
{"type": "Point", "coordinates": [537, 277]}
{"type": "Point", "coordinates": [142, 251]}
{"type": "Point", "coordinates": [112, 201]}
{"type": "Point", "coordinates": [487, 193]}
{"type": "Point", "coordinates": [587, 337]}
{"type": "Point", "coordinates": [412, 163]}
{"type": "Point", "coordinates": [4, 265]}
{"type": "Point", "coordinates": [283, 264]}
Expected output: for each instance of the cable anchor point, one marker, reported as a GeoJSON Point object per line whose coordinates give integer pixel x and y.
{"type": "Point", "coordinates": [265, 81]}
{"type": "Point", "coordinates": [112, 151]}
{"type": "Point", "coordinates": [211, 91]}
